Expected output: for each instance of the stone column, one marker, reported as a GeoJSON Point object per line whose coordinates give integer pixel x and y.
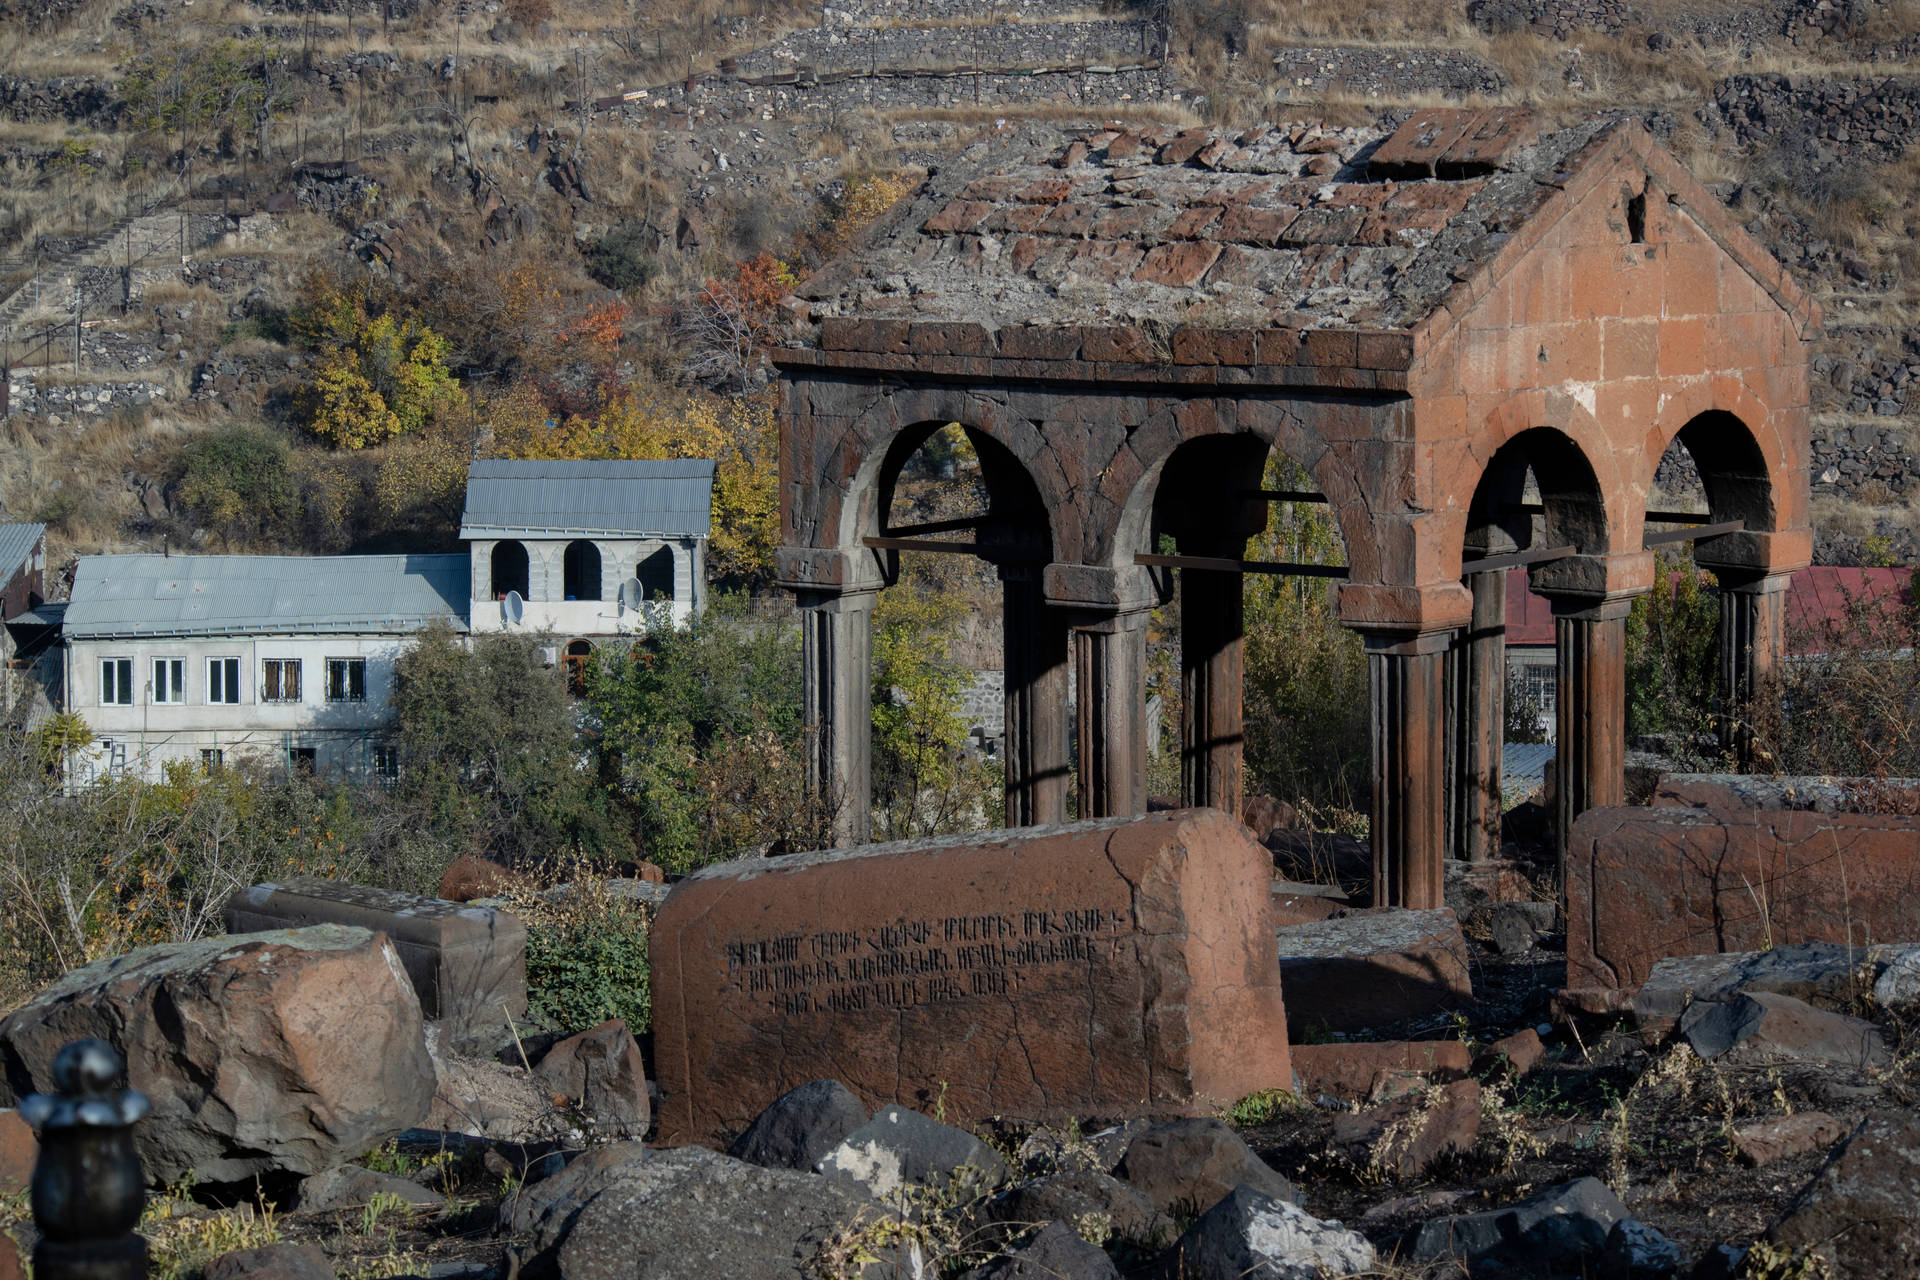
{"type": "Point", "coordinates": [1752, 638]}
{"type": "Point", "coordinates": [837, 659]}
{"type": "Point", "coordinates": [1407, 702]}
{"type": "Point", "coordinates": [1212, 644]}
{"type": "Point", "coordinates": [1590, 750]}
{"type": "Point", "coordinates": [1110, 670]}
{"type": "Point", "coordinates": [1481, 651]}
{"type": "Point", "coordinates": [1038, 759]}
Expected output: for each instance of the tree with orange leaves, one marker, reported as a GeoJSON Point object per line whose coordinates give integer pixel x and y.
{"type": "Point", "coordinates": [731, 320]}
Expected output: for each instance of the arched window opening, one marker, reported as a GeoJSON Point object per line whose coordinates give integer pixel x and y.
{"type": "Point", "coordinates": [579, 654]}
{"type": "Point", "coordinates": [656, 575]}
{"type": "Point", "coordinates": [509, 570]}
{"type": "Point", "coordinates": [580, 571]}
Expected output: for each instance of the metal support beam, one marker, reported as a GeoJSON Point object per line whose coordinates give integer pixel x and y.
{"type": "Point", "coordinates": [1285, 495]}
{"type": "Point", "coordinates": [1694, 534]}
{"type": "Point", "coordinates": [1282, 568]}
{"type": "Point", "coordinates": [934, 526]}
{"type": "Point", "coordinates": [1516, 559]}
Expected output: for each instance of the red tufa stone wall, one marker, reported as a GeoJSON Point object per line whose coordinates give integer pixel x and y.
{"type": "Point", "coordinates": [1096, 969]}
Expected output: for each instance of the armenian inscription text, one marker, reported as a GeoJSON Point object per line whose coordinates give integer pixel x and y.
{"type": "Point", "coordinates": [919, 962]}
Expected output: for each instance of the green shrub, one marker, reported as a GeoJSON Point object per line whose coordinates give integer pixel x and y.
{"type": "Point", "coordinates": [239, 483]}
{"type": "Point", "coordinates": [620, 259]}
{"type": "Point", "coordinates": [586, 955]}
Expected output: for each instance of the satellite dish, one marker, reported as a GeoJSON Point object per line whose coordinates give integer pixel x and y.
{"type": "Point", "coordinates": [512, 608]}
{"type": "Point", "coordinates": [630, 594]}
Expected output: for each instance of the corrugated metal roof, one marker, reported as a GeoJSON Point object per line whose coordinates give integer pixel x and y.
{"type": "Point", "coordinates": [148, 595]}
{"type": "Point", "coordinates": [16, 544]}
{"type": "Point", "coordinates": [622, 498]}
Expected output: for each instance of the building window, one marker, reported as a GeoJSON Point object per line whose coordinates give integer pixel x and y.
{"type": "Point", "coordinates": [116, 682]}
{"type": "Point", "coordinates": [386, 761]}
{"type": "Point", "coordinates": [280, 681]}
{"type": "Point", "coordinates": [509, 569]}
{"type": "Point", "coordinates": [170, 680]}
{"type": "Point", "coordinates": [579, 654]}
{"type": "Point", "coordinates": [580, 569]}
{"type": "Point", "coordinates": [223, 681]}
{"type": "Point", "coordinates": [303, 760]}
{"type": "Point", "coordinates": [212, 758]}
{"type": "Point", "coordinates": [656, 575]}
{"type": "Point", "coordinates": [346, 679]}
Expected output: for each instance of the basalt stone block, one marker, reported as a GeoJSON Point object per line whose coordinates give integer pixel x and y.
{"type": "Point", "coordinates": [1857, 1212]}
{"type": "Point", "coordinates": [1115, 967]}
{"type": "Point", "coordinates": [1351, 1070]}
{"type": "Point", "coordinates": [1372, 969]}
{"type": "Point", "coordinates": [1724, 791]}
{"type": "Point", "coordinates": [468, 963]}
{"type": "Point", "coordinates": [1644, 885]}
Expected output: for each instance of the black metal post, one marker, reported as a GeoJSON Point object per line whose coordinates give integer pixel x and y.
{"type": "Point", "coordinates": [88, 1189]}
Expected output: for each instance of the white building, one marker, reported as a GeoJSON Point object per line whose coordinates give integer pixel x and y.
{"type": "Point", "coordinates": [203, 659]}
{"type": "Point", "coordinates": [586, 550]}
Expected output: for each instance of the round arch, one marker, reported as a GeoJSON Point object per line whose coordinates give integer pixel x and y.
{"type": "Point", "coordinates": [580, 571]}
{"type": "Point", "coordinates": [509, 569]}
{"type": "Point", "coordinates": [1747, 466]}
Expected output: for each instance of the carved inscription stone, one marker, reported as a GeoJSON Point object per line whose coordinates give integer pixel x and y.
{"type": "Point", "coordinates": [1093, 969]}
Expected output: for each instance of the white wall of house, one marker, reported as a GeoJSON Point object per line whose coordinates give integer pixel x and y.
{"type": "Point", "coordinates": [546, 605]}
{"type": "Point", "coordinates": [344, 735]}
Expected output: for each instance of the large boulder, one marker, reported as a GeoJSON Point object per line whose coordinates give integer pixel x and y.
{"type": "Point", "coordinates": [800, 1126]}
{"type": "Point", "coordinates": [898, 1148]}
{"type": "Point", "coordinates": [1561, 1231]}
{"type": "Point", "coordinates": [1054, 1253]}
{"type": "Point", "coordinates": [293, 1052]}
{"type": "Point", "coordinates": [600, 1071]}
{"type": "Point", "coordinates": [1759, 1028]}
{"type": "Point", "coordinates": [684, 1214]}
{"type": "Point", "coordinates": [1859, 1210]}
{"type": "Point", "coordinates": [1188, 1166]}
{"type": "Point", "coordinates": [1250, 1236]}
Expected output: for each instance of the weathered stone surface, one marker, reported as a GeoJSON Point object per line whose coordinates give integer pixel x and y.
{"type": "Point", "coordinates": [1351, 1070]}
{"type": "Point", "coordinates": [1735, 791]}
{"type": "Point", "coordinates": [1898, 984]}
{"type": "Point", "coordinates": [1551, 1232]}
{"type": "Point", "coordinates": [272, 1262]}
{"type": "Point", "coordinates": [1635, 1251]}
{"type": "Point", "coordinates": [688, 1214]}
{"type": "Point", "coordinates": [1102, 967]}
{"type": "Point", "coordinates": [1248, 1234]}
{"type": "Point", "coordinates": [1760, 1028]}
{"type": "Point", "coordinates": [1074, 1197]}
{"type": "Point", "coordinates": [1404, 1138]}
{"type": "Point", "coordinates": [560, 1196]}
{"type": "Point", "coordinates": [599, 1071]}
{"type": "Point", "coordinates": [468, 963]}
{"type": "Point", "coordinates": [350, 1187]}
{"type": "Point", "coordinates": [800, 1126]}
{"type": "Point", "coordinates": [1518, 927]}
{"type": "Point", "coordinates": [221, 1033]}
{"type": "Point", "coordinates": [1520, 1052]}
{"type": "Point", "coordinates": [1372, 969]}
{"type": "Point", "coordinates": [1858, 1210]}
{"type": "Point", "coordinates": [1056, 1252]}
{"type": "Point", "coordinates": [18, 1150]}
{"type": "Point", "coordinates": [1187, 1166]}
{"type": "Point", "coordinates": [1647, 884]}
{"type": "Point", "coordinates": [900, 1148]}
{"type": "Point", "coordinates": [1782, 1138]}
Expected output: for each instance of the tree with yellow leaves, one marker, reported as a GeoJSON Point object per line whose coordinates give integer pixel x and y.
{"type": "Point", "coordinates": [378, 374]}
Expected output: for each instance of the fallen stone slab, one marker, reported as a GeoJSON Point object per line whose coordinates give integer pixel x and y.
{"type": "Point", "coordinates": [1372, 969]}
{"type": "Point", "coordinates": [1564, 1227]}
{"type": "Point", "coordinates": [1248, 1234]}
{"type": "Point", "coordinates": [468, 963]}
{"type": "Point", "coordinates": [272, 1262]}
{"type": "Point", "coordinates": [899, 1148]}
{"type": "Point", "coordinates": [1353, 1069]}
{"type": "Point", "coordinates": [1671, 986]}
{"type": "Point", "coordinates": [800, 1126]}
{"type": "Point", "coordinates": [1402, 1139]}
{"type": "Point", "coordinates": [1056, 1252]}
{"type": "Point", "coordinates": [686, 1214]}
{"type": "Point", "coordinates": [1857, 1212]}
{"type": "Point", "coordinates": [1762, 1028]}
{"type": "Point", "coordinates": [1765, 1141]}
{"type": "Point", "coordinates": [1187, 1166]}
{"type": "Point", "coordinates": [1115, 967]}
{"type": "Point", "coordinates": [255, 1051]}
{"type": "Point", "coordinates": [1298, 903]}
{"type": "Point", "coordinates": [1516, 1054]}
{"type": "Point", "coordinates": [1826, 975]}
{"type": "Point", "coordinates": [600, 1071]}
{"type": "Point", "coordinates": [1815, 793]}
{"type": "Point", "coordinates": [1644, 885]}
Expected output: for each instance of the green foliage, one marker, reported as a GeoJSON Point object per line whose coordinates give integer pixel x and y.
{"type": "Point", "coordinates": [918, 732]}
{"type": "Point", "coordinates": [489, 761]}
{"type": "Point", "coordinates": [1673, 654]}
{"type": "Point", "coordinates": [586, 955]}
{"type": "Point", "coordinates": [239, 482]}
{"type": "Point", "coordinates": [621, 259]}
{"type": "Point", "coordinates": [1525, 719]}
{"type": "Point", "coordinates": [1306, 675]}
{"type": "Point", "coordinates": [699, 729]}
{"type": "Point", "coordinates": [1260, 1108]}
{"type": "Point", "coordinates": [191, 89]}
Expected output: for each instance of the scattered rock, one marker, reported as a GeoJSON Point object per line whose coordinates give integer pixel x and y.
{"type": "Point", "coordinates": [1056, 1253]}
{"type": "Point", "coordinates": [1372, 969]}
{"type": "Point", "coordinates": [350, 1187]}
{"type": "Point", "coordinates": [272, 1262]}
{"type": "Point", "coordinates": [1356, 1069]}
{"type": "Point", "coordinates": [1898, 986]}
{"type": "Point", "coordinates": [1766, 1141]}
{"type": "Point", "coordinates": [800, 1126]}
{"type": "Point", "coordinates": [219, 1033]}
{"type": "Point", "coordinates": [1073, 1197]}
{"type": "Point", "coordinates": [1265, 815]}
{"type": "Point", "coordinates": [1520, 1052]}
{"type": "Point", "coordinates": [1248, 1234]}
{"type": "Point", "coordinates": [1405, 1138]}
{"type": "Point", "coordinates": [1635, 1251]}
{"type": "Point", "coordinates": [1760, 1027]}
{"type": "Point", "coordinates": [899, 1147]}
{"type": "Point", "coordinates": [1188, 1166]}
{"type": "Point", "coordinates": [18, 1150]}
{"type": "Point", "coordinates": [1563, 1226]}
{"type": "Point", "coordinates": [563, 1194]}
{"type": "Point", "coordinates": [1518, 927]}
{"type": "Point", "coordinates": [1858, 1210]}
{"type": "Point", "coordinates": [599, 1071]}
